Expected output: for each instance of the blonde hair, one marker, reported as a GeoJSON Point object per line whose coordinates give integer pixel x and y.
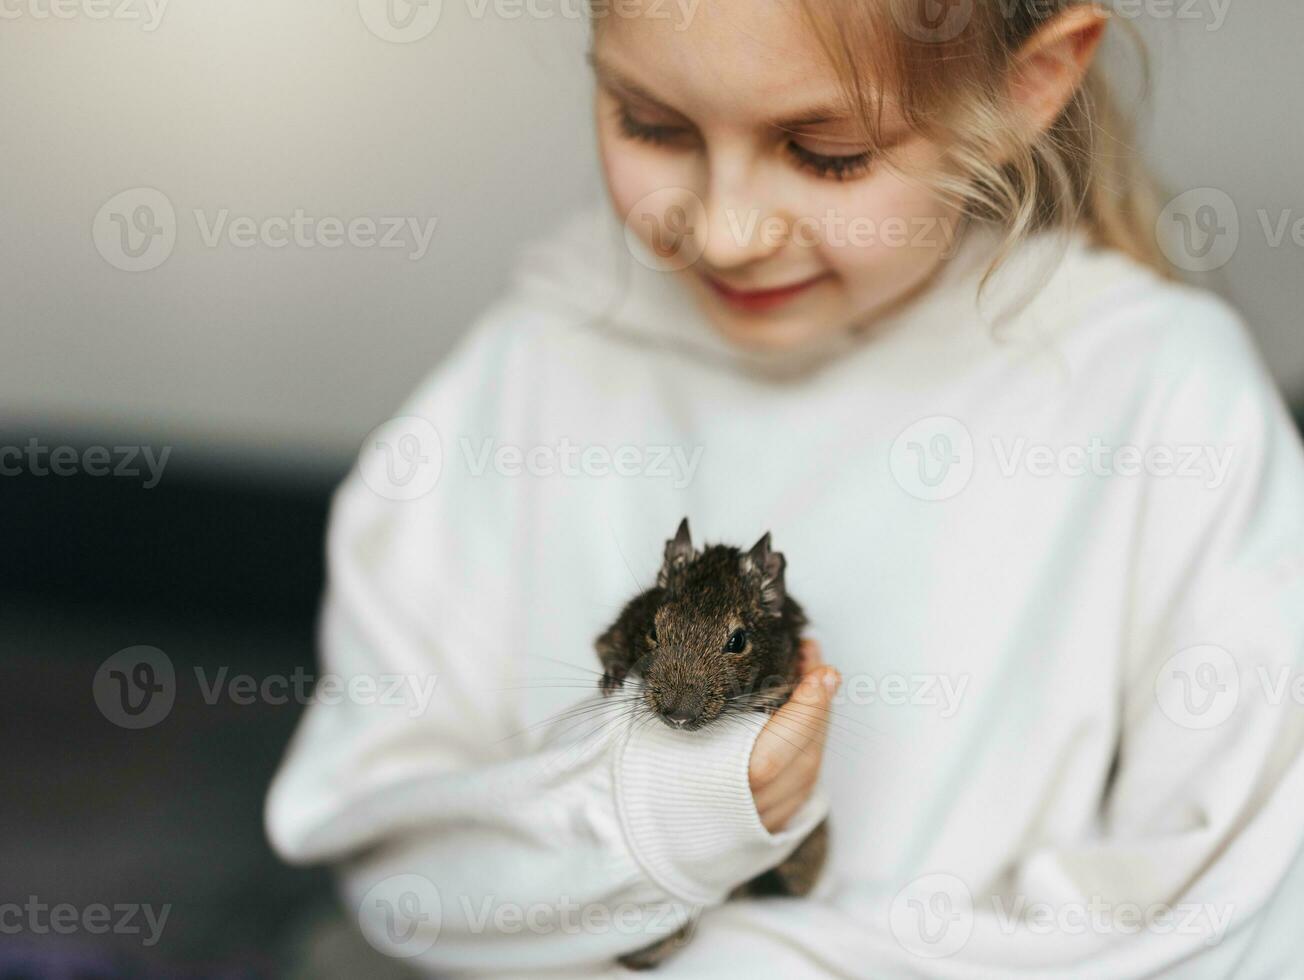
{"type": "Point", "coordinates": [949, 79]}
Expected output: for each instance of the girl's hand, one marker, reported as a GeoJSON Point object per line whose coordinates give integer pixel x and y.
{"type": "Point", "coordinates": [786, 757]}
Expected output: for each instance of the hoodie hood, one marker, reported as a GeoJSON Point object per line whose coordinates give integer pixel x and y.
{"type": "Point", "coordinates": [592, 270]}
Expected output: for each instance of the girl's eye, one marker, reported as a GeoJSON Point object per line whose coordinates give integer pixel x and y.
{"type": "Point", "coordinates": [737, 642]}
{"type": "Point", "coordinates": [831, 167]}
{"type": "Point", "coordinates": [658, 134]}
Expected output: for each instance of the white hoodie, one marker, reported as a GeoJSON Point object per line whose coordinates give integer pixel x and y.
{"type": "Point", "coordinates": [1059, 564]}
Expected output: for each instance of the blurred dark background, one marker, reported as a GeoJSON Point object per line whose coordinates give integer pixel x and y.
{"type": "Point", "coordinates": [222, 572]}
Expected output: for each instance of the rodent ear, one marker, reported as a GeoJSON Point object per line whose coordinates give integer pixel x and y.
{"type": "Point", "coordinates": [679, 552]}
{"type": "Point", "coordinates": [769, 566]}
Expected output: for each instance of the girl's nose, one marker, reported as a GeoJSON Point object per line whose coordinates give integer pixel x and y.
{"type": "Point", "coordinates": [743, 225]}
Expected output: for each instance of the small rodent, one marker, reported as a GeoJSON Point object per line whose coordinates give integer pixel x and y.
{"type": "Point", "coordinates": [717, 634]}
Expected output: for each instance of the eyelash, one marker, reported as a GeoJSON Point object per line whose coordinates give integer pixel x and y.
{"type": "Point", "coordinates": [838, 168]}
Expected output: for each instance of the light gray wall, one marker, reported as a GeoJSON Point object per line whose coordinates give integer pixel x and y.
{"type": "Point", "coordinates": [261, 107]}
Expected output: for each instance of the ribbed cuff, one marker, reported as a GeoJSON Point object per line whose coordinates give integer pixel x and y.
{"type": "Point", "coordinates": [687, 811]}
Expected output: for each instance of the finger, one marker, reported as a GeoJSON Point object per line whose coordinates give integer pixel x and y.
{"type": "Point", "coordinates": [776, 818]}
{"type": "Point", "coordinates": [794, 727]}
{"type": "Point", "coordinates": [795, 780]}
{"type": "Point", "coordinates": [810, 656]}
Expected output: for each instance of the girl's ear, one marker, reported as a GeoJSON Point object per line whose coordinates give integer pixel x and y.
{"type": "Point", "coordinates": [1052, 63]}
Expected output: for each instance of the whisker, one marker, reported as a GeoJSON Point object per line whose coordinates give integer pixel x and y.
{"type": "Point", "coordinates": [565, 663]}
{"type": "Point", "coordinates": [574, 711]}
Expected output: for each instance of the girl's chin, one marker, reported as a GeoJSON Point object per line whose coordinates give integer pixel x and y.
{"type": "Point", "coordinates": [769, 333]}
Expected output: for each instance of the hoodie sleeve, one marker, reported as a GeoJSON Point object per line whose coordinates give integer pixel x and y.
{"type": "Point", "coordinates": [463, 838]}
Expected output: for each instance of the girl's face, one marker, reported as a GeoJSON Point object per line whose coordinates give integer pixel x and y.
{"type": "Point", "coordinates": [729, 149]}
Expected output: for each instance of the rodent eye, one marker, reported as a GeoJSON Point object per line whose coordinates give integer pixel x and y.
{"type": "Point", "coordinates": [652, 633]}
{"type": "Point", "coordinates": [736, 642]}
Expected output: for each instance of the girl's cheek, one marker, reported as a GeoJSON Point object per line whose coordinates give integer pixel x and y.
{"type": "Point", "coordinates": [634, 175]}
{"type": "Point", "coordinates": [890, 230]}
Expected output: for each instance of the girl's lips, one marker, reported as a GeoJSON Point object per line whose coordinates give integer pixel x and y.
{"type": "Point", "coordinates": [760, 300]}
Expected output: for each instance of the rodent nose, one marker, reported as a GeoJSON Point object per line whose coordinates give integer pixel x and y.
{"type": "Point", "coordinates": [681, 717]}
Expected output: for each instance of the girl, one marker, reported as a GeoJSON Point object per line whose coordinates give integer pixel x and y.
{"type": "Point", "coordinates": [876, 276]}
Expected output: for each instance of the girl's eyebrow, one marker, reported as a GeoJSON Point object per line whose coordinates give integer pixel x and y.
{"type": "Point", "coordinates": [815, 115]}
